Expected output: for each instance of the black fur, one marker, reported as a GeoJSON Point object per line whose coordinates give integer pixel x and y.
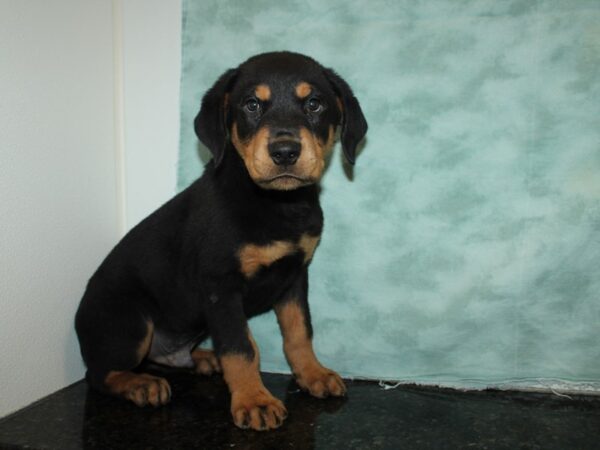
{"type": "Point", "coordinates": [354, 124]}
{"type": "Point", "coordinates": [179, 268]}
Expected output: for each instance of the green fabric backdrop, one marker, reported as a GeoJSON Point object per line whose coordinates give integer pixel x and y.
{"type": "Point", "coordinates": [465, 246]}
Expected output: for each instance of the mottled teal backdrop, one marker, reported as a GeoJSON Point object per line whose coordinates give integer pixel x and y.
{"type": "Point", "coordinates": [465, 247]}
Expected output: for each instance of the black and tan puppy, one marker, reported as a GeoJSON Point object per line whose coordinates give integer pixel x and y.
{"type": "Point", "coordinates": [235, 244]}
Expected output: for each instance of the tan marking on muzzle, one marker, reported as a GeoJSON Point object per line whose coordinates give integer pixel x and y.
{"type": "Point", "coordinates": [261, 168]}
{"type": "Point", "coordinates": [314, 151]}
{"type": "Point", "coordinates": [254, 152]}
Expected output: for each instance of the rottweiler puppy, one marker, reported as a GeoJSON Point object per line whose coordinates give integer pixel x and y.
{"type": "Point", "coordinates": [234, 244]}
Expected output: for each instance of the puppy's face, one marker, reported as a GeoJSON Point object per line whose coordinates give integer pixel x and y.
{"type": "Point", "coordinates": [280, 111]}
{"type": "Point", "coordinates": [282, 123]}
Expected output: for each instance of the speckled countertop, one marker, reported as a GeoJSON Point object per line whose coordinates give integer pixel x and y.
{"type": "Point", "coordinates": [369, 418]}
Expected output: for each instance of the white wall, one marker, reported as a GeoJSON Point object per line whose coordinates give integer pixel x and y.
{"type": "Point", "coordinates": [89, 132]}
{"type": "Point", "coordinates": [58, 215]}
{"type": "Point", "coordinates": [151, 37]}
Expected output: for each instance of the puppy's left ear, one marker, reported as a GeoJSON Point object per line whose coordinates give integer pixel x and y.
{"type": "Point", "coordinates": [210, 123]}
{"type": "Point", "coordinates": [354, 124]}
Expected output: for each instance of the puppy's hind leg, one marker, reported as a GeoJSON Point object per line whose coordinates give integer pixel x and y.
{"type": "Point", "coordinates": [115, 337]}
{"type": "Point", "coordinates": [205, 361]}
{"type": "Point", "coordinates": [141, 388]}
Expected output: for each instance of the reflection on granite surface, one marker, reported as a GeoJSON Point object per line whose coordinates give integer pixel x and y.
{"type": "Point", "coordinates": [369, 418]}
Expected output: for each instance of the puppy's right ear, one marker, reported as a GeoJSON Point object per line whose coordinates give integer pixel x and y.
{"type": "Point", "coordinates": [210, 123]}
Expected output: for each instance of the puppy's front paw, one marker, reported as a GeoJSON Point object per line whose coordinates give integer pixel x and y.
{"type": "Point", "coordinates": [321, 382]}
{"type": "Point", "coordinates": [257, 410]}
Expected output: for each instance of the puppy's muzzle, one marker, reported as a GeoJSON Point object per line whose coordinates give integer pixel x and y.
{"type": "Point", "coordinates": [284, 152]}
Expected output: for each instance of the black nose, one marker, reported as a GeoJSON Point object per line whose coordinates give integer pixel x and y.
{"type": "Point", "coordinates": [284, 152]}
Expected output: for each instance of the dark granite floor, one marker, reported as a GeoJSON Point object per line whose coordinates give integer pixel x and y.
{"type": "Point", "coordinates": [369, 418]}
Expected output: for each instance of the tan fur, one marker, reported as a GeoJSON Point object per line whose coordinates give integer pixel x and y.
{"type": "Point", "coordinates": [308, 244]}
{"type": "Point", "coordinates": [263, 92]}
{"type": "Point", "coordinates": [297, 346]}
{"type": "Point", "coordinates": [252, 257]}
{"type": "Point", "coordinates": [206, 362]}
{"type": "Point", "coordinates": [254, 152]}
{"type": "Point", "coordinates": [240, 373]}
{"type": "Point", "coordinates": [303, 89]}
{"type": "Point", "coordinates": [339, 104]}
{"type": "Point", "coordinates": [140, 388]}
{"type": "Point", "coordinates": [144, 346]}
{"type": "Point", "coordinates": [261, 168]}
{"type": "Point", "coordinates": [328, 145]}
{"type": "Point", "coordinates": [312, 157]}
{"type": "Point", "coordinates": [252, 405]}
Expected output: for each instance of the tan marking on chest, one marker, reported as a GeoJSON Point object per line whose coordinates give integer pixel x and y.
{"type": "Point", "coordinates": [252, 257]}
{"type": "Point", "coordinates": [308, 244]}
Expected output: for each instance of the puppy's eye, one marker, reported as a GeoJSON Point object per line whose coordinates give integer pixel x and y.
{"type": "Point", "coordinates": [313, 105]}
{"type": "Point", "coordinates": [252, 105]}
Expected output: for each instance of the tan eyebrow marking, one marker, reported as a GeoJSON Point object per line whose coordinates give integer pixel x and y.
{"type": "Point", "coordinates": [303, 89]}
{"type": "Point", "coordinates": [263, 92]}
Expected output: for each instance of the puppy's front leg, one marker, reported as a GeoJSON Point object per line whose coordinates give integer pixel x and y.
{"type": "Point", "coordinates": [252, 405]}
{"type": "Point", "coordinates": [294, 320]}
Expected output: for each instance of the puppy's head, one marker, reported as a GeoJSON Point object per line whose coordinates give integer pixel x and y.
{"type": "Point", "coordinates": [280, 111]}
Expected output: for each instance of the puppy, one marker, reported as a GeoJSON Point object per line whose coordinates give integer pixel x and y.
{"type": "Point", "coordinates": [234, 244]}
